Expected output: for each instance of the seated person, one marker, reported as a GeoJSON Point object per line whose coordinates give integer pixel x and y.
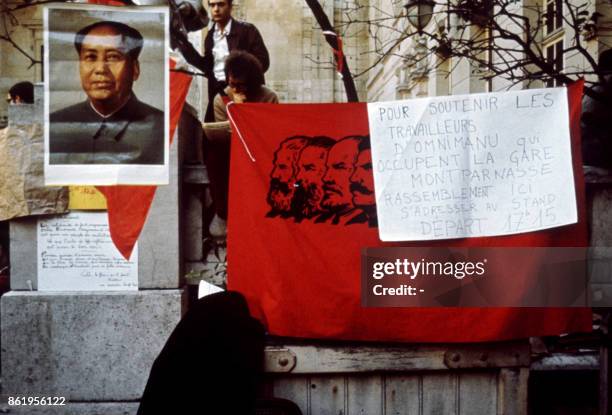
{"type": "Point", "coordinates": [245, 84]}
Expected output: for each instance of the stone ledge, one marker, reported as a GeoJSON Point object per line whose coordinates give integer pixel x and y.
{"type": "Point", "coordinates": [94, 408]}
{"type": "Point", "coordinates": [84, 346]}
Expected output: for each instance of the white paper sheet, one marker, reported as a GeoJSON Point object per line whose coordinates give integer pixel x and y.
{"type": "Point", "coordinates": [76, 253]}
{"type": "Point", "coordinates": [472, 165]}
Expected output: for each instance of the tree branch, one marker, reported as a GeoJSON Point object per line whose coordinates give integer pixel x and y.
{"type": "Point", "coordinates": [6, 36]}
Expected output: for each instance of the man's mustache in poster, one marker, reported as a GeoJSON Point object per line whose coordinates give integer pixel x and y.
{"type": "Point", "coordinates": [359, 188]}
{"type": "Point", "coordinates": [331, 189]}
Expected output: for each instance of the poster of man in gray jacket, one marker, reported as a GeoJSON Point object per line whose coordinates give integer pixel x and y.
{"type": "Point", "coordinates": [117, 131]}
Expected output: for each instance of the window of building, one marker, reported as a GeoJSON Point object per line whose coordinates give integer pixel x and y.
{"type": "Point", "coordinates": [553, 37]}
{"type": "Point", "coordinates": [553, 16]}
{"type": "Point", "coordinates": [554, 56]}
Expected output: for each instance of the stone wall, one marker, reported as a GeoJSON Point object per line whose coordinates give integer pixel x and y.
{"type": "Point", "coordinates": [93, 348]}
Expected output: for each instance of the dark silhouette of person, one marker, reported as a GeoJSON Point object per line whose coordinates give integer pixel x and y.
{"type": "Point", "coordinates": [212, 363]}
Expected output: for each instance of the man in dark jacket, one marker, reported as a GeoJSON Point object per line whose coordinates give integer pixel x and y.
{"type": "Point", "coordinates": [226, 35]}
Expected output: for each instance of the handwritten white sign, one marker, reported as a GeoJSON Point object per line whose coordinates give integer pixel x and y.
{"type": "Point", "coordinates": [76, 253]}
{"type": "Point", "coordinates": [472, 165]}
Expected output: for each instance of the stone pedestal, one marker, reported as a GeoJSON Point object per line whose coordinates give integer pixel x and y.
{"type": "Point", "coordinates": [93, 348]}
{"type": "Point", "coordinates": [84, 346]}
{"type": "Point", "coordinates": [94, 408]}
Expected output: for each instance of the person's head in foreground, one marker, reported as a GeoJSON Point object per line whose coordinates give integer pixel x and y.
{"type": "Point", "coordinates": [108, 63]}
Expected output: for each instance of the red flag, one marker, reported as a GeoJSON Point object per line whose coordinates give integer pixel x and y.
{"type": "Point", "coordinates": [128, 206]}
{"type": "Point", "coordinates": [302, 277]}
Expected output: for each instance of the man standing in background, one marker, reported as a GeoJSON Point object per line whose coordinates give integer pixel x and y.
{"type": "Point", "coordinates": [226, 35]}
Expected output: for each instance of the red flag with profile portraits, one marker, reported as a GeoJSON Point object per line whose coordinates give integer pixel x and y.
{"type": "Point", "coordinates": [303, 210]}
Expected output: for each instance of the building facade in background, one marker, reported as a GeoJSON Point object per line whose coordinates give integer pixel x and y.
{"type": "Point", "coordinates": [414, 68]}
{"type": "Point", "coordinates": [387, 57]}
{"type": "Point", "coordinates": [15, 66]}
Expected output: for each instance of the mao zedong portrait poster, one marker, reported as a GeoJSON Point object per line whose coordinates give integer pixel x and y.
{"type": "Point", "coordinates": [106, 95]}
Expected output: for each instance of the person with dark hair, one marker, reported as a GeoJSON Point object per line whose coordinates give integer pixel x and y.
{"type": "Point", "coordinates": [212, 363]}
{"type": "Point", "coordinates": [131, 39]}
{"type": "Point", "coordinates": [112, 126]}
{"type": "Point", "coordinates": [245, 84]}
{"type": "Point", "coordinates": [226, 35]}
{"type": "Point", "coordinates": [21, 93]}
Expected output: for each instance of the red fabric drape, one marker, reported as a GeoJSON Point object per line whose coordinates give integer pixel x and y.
{"type": "Point", "coordinates": [303, 279]}
{"type": "Point", "coordinates": [128, 206]}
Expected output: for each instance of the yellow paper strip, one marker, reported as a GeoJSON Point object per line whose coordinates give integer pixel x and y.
{"type": "Point", "coordinates": [86, 198]}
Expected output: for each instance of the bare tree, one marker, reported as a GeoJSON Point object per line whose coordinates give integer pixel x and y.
{"type": "Point", "coordinates": [9, 22]}
{"type": "Point", "coordinates": [502, 39]}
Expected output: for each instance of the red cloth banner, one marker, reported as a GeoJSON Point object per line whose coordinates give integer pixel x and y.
{"type": "Point", "coordinates": [300, 269]}
{"type": "Point", "coordinates": [128, 206]}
